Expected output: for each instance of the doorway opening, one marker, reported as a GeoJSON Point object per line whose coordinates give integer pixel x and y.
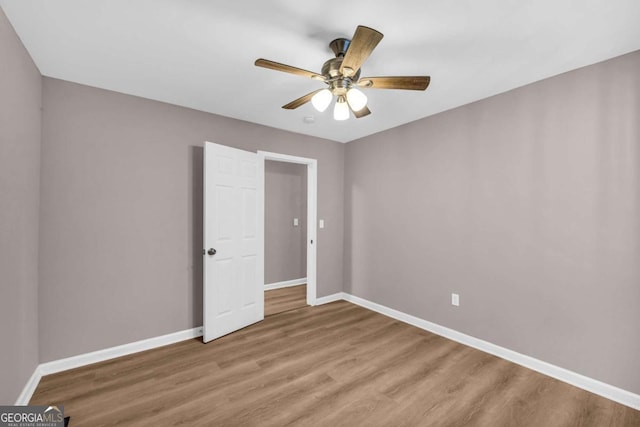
{"type": "Point", "coordinates": [295, 186]}
{"type": "Point", "coordinates": [285, 236]}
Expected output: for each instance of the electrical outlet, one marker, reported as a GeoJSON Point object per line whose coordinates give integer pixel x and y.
{"type": "Point", "coordinates": [455, 299]}
{"type": "Point", "coordinates": [295, 222]}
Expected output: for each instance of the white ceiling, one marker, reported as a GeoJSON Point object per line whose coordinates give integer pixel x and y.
{"type": "Point", "coordinates": [200, 54]}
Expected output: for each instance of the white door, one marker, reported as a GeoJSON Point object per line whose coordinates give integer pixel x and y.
{"type": "Point", "coordinates": [233, 239]}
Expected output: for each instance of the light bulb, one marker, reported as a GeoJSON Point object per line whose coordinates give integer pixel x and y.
{"type": "Point", "coordinates": [357, 99]}
{"type": "Point", "coordinates": [341, 110]}
{"type": "Point", "coordinates": [321, 100]}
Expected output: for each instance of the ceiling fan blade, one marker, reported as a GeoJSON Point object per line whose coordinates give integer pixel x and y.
{"type": "Point", "coordinates": [406, 82]}
{"type": "Point", "coordinates": [363, 112]}
{"type": "Point", "coordinates": [300, 101]}
{"type": "Point", "coordinates": [272, 65]}
{"type": "Point", "coordinates": [362, 44]}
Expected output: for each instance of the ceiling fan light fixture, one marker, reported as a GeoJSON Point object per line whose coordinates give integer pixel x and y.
{"type": "Point", "coordinates": [342, 75]}
{"type": "Point", "coordinates": [321, 100]}
{"type": "Point", "coordinates": [341, 110]}
{"type": "Point", "coordinates": [357, 100]}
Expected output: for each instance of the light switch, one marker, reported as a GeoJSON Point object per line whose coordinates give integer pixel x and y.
{"type": "Point", "coordinates": [321, 225]}
{"type": "Point", "coordinates": [455, 299]}
{"type": "Point", "coordinates": [295, 222]}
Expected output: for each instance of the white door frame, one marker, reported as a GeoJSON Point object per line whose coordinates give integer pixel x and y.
{"type": "Point", "coordinates": [312, 214]}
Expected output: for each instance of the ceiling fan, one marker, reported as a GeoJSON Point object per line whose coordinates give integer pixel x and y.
{"type": "Point", "coordinates": [342, 76]}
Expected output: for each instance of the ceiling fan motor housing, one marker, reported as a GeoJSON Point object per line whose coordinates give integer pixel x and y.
{"type": "Point", "coordinates": [331, 68]}
{"type": "Point", "coordinates": [338, 83]}
{"type": "Point", "coordinates": [340, 46]}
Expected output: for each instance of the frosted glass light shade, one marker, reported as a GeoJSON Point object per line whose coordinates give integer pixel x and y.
{"type": "Point", "coordinates": [357, 99]}
{"type": "Point", "coordinates": [341, 110]}
{"type": "Point", "coordinates": [321, 100]}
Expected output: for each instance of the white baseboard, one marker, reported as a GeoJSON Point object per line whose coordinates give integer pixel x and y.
{"type": "Point", "coordinates": [29, 388]}
{"type": "Point", "coordinates": [589, 384]}
{"type": "Point", "coordinates": [60, 365]}
{"type": "Point", "coordinates": [285, 284]}
{"type": "Point", "coordinates": [331, 298]}
{"type": "Point", "coordinates": [118, 351]}
{"type": "Point", "coordinates": [594, 386]}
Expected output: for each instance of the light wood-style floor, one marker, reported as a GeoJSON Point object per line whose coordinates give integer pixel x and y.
{"type": "Point", "coordinates": [284, 299]}
{"type": "Point", "coordinates": [332, 365]}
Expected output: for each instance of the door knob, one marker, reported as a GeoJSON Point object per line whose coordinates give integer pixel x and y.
{"type": "Point", "coordinates": [211, 251]}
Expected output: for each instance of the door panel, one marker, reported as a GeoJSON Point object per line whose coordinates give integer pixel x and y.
{"type": "Point", "coordinates": [234, 226]}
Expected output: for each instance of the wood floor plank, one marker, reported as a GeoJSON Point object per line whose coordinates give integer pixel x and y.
{"type": "Point", "coordinates": [332, 365]}
{"type": "Point", "coordinates": [284, 299]}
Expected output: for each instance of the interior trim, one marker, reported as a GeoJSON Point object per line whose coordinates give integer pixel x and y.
{"type": "Point", "coordinates": [100, 356]}
{"type": "Point", "coordinates": [331, 298]}
{"type": "Point", "coordinates": [600, 388]}
{"type": "Point", "coordinates": [285, 284]}
{"type": "Point", "coordinates": [29, 388]}
{"type": "Point", "coordinates": [312, 215]}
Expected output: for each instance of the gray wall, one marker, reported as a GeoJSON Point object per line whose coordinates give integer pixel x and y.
{"type": "Point", "coordinates": [285, 256]}
{"type": "Point", "coordinates": [527, 204]}
{"type": "Point", "coordinates": [121, 233]}
{"type": "Point", "coordinates": [20, 119]}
